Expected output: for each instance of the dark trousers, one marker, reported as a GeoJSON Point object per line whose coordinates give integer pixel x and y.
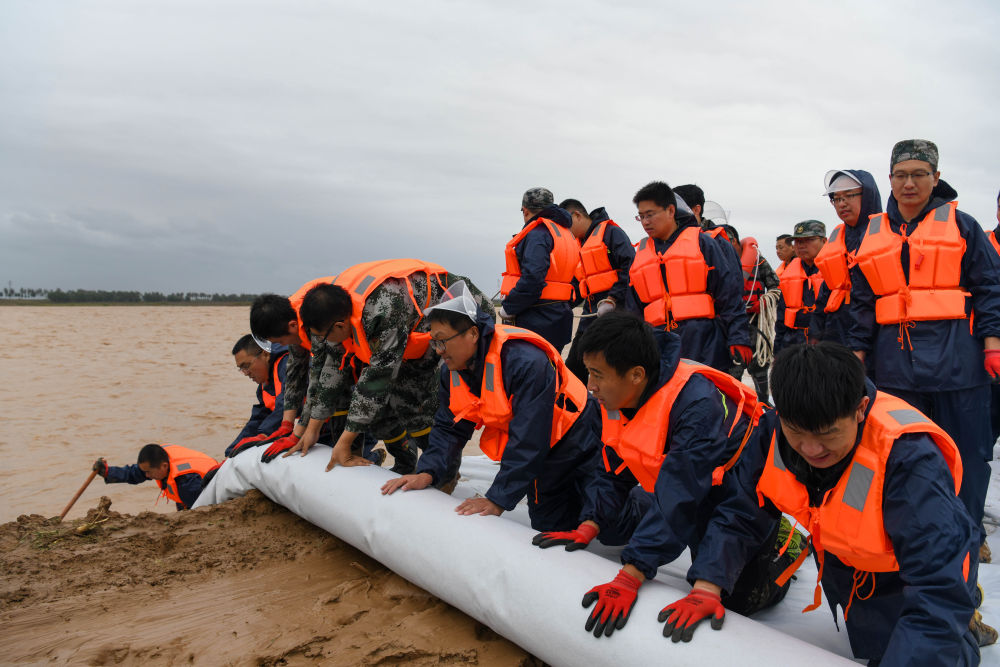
{"type": "Point", "coordinates": [964, 414]}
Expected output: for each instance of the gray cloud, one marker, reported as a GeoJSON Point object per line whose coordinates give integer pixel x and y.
{"type": "Point", "coordinates": [251, 146]}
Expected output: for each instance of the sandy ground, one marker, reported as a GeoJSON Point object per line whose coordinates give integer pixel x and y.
{"type": "Point", "coordinates": [243, 583]}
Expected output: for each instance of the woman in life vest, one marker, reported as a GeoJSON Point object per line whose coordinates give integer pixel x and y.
{"type": "Point", "coordinates": [874, 482]}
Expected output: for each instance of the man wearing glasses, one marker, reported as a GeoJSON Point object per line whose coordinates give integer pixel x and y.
{"type": "Point", "coordinates": [855, 198]}
{"type": "Point", "coordinates": [538, 420]}
{"type": "Point", "coordinates": [800, 285]}
{"type": "Point", "coordinates": [685, 281]}
{"type": "Point", "coordinates": [267, 369]}
{"type": "Point", "coordinates": [925, 268]}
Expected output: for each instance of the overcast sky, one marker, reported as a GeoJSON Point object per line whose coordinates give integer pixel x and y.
{"type": "Point", "coordinates": [241, 146]}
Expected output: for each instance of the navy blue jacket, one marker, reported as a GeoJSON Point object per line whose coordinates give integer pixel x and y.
{"type": "Point", "coordinates": [530, 381]}
{"type": "Point", "coordinates": [945, 356]}
{"type": "Point", "coordinates": [262, 418]}
{"type": "Point", "coordinates": [552, 320]}
{"type": "Point", "coordinates": [684, 497]}
{"type": "Point", "coordinates": [917, 616]}
{"type": "Point", "coordinates": [621, 252]}
{"type": "Point", "coordinates": [834, 326]}
{"type": "Point", "coordinates": [188, 485]}
{"type": "Point", "coordinates": [708, 340]}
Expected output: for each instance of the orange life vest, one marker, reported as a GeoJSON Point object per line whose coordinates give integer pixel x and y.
{"type": "Point", "coordinates": [269, 398]}
{"type": "Point", "coordinates": [492, 407]}
{"type": "Point", "coordinates": [933, 291]}
{"type": "Point", "coordinates": [993, 241]}
{"type": "Point", "coordinates": [641, 441]}
{"type": "Point", "coordinates": [781, 268]}
{"type": "Point", "coordinates": [594, 273]}
{"type": "Point", "coordinates": [563, 260]}
{"type": "Point", "coordinates": [716, 232]}
{"type": "Point", "coordinates": [833, 262]}
{"type": "Point", "coordinates": [183, 461]}
{"type": "Point", "coordinates": [296, 301]}
{"type": "Point", "coordinates": [793, 285]}
{"type": "Point", "coordinates": [753, 285]}
{"type": "Point", "coordinates": [849, 522]}
{"type": "Point", "coordinates": [361, 279]}
{"type": "Point", "coordinates": [685, 294]}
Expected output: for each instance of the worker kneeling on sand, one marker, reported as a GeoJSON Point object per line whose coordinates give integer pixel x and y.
{"type": "Point", "coordinates": [177, 470]}
{"type": "Point", "coordinates": [537, 418]}
{"type": "Point", "coordinates": [875, 483]}
{"type": "Point", "coordinates": [672, 428]}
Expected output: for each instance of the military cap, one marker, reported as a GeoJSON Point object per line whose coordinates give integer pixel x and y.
{"type": "Point", "coordinates": [915, 149]}
{"type": "Point", "coordinates": [536, 199]}
{"type": "Point", "coordinates": [808, 229]}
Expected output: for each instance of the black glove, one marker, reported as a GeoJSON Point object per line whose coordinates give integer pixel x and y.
{"type": "Point", "coordinates": [100, 467]}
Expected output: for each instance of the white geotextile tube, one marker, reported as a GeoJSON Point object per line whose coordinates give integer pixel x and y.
{"type": "Point", "coordinates": [488, 568]}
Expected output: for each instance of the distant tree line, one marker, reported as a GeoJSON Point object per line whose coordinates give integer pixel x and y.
{"type": "Point", "coordinates": [122, 296]}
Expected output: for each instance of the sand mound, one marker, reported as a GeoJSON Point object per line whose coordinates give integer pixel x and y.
{"type": "Point", "coordinates": [246, 582]}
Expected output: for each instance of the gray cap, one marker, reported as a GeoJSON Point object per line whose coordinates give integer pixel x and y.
{"type": "Point", "coordinates": [536, 199]}
{"type": "Point", "coordinates": [914, 149]}
{"type": "Point", "coordinates": [807, 229]}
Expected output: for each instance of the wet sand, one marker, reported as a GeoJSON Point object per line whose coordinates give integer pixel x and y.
{"type": "Point", "coordinates": [242, 583]}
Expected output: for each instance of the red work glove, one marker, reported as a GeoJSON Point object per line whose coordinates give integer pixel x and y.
{"type": "Point", "coordinates": [278, 446]}
{"type": "Point", "coordinates": [683, 616]}
{"type": "Point", "coordinates": [573, 539]}
{"type": "Point", "coordinates": [247, 443]}
{"type": "Point", "coordinates": [283, 430]}
{"type": "Point", "coordinates": [614, 604]}
{"type": "Point", "coordinates": [992, 363]}
{"type": "Point", "coordinates": [741, 354]}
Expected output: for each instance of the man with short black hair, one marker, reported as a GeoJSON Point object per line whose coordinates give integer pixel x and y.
{"type": "Point", "coordinates": [540, 263]}
{"type": "Point", "coordinates": [606, 256]}
{"type": "Point", "coordinates": [694, 197]}
{"type": "Point", "coordinates": [785, 249]}
{"type": "Point", "coordinates": [671, 430]}
{"type": "Point", "coordinates": [178, 471]}
{"type": "Point", "coordinates": [926, 307]}
{"type": "Point", "coordinates": [874, 481]}
{"type": "Point", "coordinates": [700, 296]}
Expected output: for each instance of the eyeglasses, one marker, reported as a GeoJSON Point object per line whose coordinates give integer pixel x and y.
{"type": "Point", "coordinates": [843, 199]}
{"type": "Point", "coordinates": [903, 177]}
{"type": "Point", "coordinates": [437, 344]}
{"type": "Point", "coordinates": [648, 215]}
{"type": "Point", "coordinates": [328, 330]}
{"type": "Point", "coordinates": [245, 366]}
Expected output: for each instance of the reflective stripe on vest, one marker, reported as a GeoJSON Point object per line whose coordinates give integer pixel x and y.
{"type": "Point", "coordinates": [684, 295]}
{"type": "Point", "coordinates": [641, 442]}
{"type": "Point", "coordinates": [492, 408]}
{"type": "Point", "coordinates": [182, 461]}
{"type": "Point", "coordinates": [849, 521]}
{"type": "Point", "coordinates": [362, 279]}
{"type": "Point", "coordinates": [563, 260]}
{"type": "Point", "coordinates": [594, 273]}
{"type": "Point", "coordinates": [269, 399]}
{"type": "Point", "coordinates": [933, 290]}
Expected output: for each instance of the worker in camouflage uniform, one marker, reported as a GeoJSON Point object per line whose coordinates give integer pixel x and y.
{"type": "Point", "coordinates": [371, 356]}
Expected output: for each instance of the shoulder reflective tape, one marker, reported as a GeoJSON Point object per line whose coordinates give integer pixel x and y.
{"type": "Point", "coordinates": [875, 224]}
{"type": "Point", "coordinates": [642, 243]}
{"type": "Point", "coordinates": [776, 459]}
{"type": "Point", "coordinates": [908, 416]}
{"type": "Point", "coordinates": [183, 466]}
{"type": "Point", "coordinates": [488, 376]}
{"type": "Point", "coordinates": [836, 233]}
{"type": "Point", "coordinates": [555, 229]}
{"type": "Point", "coordinates": [614, 415]}
{"type": "Point", "coordinates": [942, 213]}
{"type": "Point", "coordinates": [363, 285]}
{"type": "Point", "coordinates": [455, 379]}
{"type": "Point", "coordinates": [857, 486]}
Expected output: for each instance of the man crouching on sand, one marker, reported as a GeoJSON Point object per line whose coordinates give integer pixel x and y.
{"type": "Point", "coordinates": [539, 421]}
{"type": "Point", "coordinates": [177, 470]}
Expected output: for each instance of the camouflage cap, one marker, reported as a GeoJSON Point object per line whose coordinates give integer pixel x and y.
{"type": "Point", "coordinates": [914, 149]}
{"type": "Point", "coordinates": [536, 199]}
{"type": "Point", "coordinates": [808, 229]}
